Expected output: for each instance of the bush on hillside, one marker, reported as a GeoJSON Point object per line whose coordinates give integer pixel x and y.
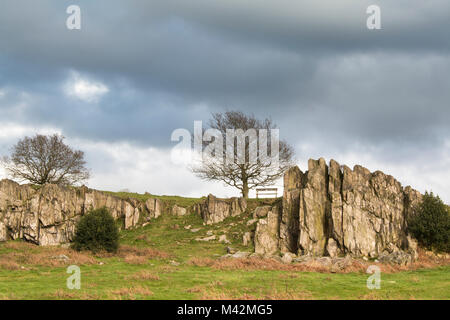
{"type": "Point", "coordinates": [97, 231]}
{"type": "Point", "coordinates": [431, 225]}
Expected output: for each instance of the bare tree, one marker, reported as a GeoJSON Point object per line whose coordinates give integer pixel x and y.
{"type": "Point", "coordinates": [46, 159]}
{"type": "Point", "coordinates": [243, 175]}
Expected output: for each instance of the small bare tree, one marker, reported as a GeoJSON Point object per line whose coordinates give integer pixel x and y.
{"type": "Point", "coordinates": [247, 174]}
{"type": "Point", "coordinates": [46, 159]}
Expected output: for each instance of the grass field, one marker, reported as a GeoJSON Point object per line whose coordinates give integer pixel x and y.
{"type": "Point", "coordinates": [164, 261]}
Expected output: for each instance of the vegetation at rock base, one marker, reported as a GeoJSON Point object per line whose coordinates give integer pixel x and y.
{"type": "Point", "coordinates": [97, 231]}
{"type": "Point", "coordinates": [431, 224]}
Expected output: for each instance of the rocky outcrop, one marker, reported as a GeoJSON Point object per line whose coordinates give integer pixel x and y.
{"type": "Point", "coordinates": [214, 210]}
{"type": "Point", "coordinates": [179, 211]}
{"type": "Point", "coordinates": [289, 224]}
{"type": "Point", "coordinates": [49, 215]}
{"type": "Point", "coordinates": [334, 210]}
{"type": "Point", "coordinates": [267, 233]}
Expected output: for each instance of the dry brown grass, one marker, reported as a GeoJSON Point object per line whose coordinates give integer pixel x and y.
{"type": "Point", "coordinates": [214, 293]}
{"type": "Point", "coordinates": [137, 255]}
{"type": "Point", "coordinates": [424, 261]}
{"type": "Point", "coordinates": [7, 264]}
{"type": "Point", "coordinates": [24, 254]}
{"type": "Point", "coordinates": [144, 275]}
{"type": "Point", "coordinates": [268, 264]}
{"type": "Point", "coordinates": [130, 293]}
{"type": "Point", "coordinates": [29, 254]}
{"type": "Point", "coordinates": [62, 294]}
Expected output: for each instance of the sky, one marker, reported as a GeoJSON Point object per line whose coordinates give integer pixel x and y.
{"type": "Point", "coordinates": [137, 70]}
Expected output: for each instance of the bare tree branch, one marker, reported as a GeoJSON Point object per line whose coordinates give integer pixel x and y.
{"type": "Point", "coordinates": [247, 175]}
{"type": "Point", "coordinates": [46, 159]}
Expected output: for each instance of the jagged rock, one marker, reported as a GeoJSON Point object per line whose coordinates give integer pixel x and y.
{"type": "Point", "coordinates": [206, 238]}
{"type": "Point", "coordinates": [240, 255]}
{"type": "Point", "coordinates": [3, 232]}
{"type": "Point", "coordinates": [214, 210]}
{"type": "Point", "coordinates": [335, 194]}
{"type": "Point", "coordinates": [373, 212]}
{"type": "Point", "coordinates": [49, 215]}
{"type": "Point", "coordinates": [231, 250]}
{"type": "Point", "coordinates": [289, 224]}
{"type": "Point", "coordinates": [247, 238]}
{"type": "Point", "coordinates": [195, 230]}
{"type": "Point", "coordinates": [251, 221]}
{"type": "Point", "coordinates": [339, 264]}
{"type": "Point", "coordinates": [397, 257]}
{"type": "Point", "coordinates": [314, 207]}
{"type": "Point", "coordinates": [287, 257]}
{"type": "Point", "coordinates": [61, 257]}
{"type": "Point", "coordinates": [223, 239]}
{"type": "Point", "coordinates": [332, 248]}
{"type": "Point", "coordinates": [154, 207]}
{"type": "Point", "coordinates": [178, 211]}
{"type": "Point", "coordinates": [336, 210]}
{"type": "Point", "coordinates": [261, 212]}
{"type": "Point", "coordinates": [412, 200]}
{"type": "Point", "coordinates": [267, 233]}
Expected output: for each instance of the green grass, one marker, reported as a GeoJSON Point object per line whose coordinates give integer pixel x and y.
{"type": "Point", "coordinates": [171, 200]}
{"type": "Point", "coordinates": [115, 278]}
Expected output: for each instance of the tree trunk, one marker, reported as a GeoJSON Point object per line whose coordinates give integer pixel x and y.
{"type": "Point", "coordinates": [244, 179]}
{"type": "Point", "coordinates": [245, 190]}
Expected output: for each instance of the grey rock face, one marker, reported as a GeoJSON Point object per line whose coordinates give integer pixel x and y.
{"type": "Point", "coordinates": [267, 233]}
{"type": "Point", "coordinates": [214, 210]}
{"type": "Point", "coordinates": [334, 210]}
{"type": "Point", "coordinates": [289, 224]}
{"type": "Point", "coordinates": [246, 238]}
{"type": "Point", "coordinates": [49, 215]}
{"type": "Point", "coordinates": [178, 211]}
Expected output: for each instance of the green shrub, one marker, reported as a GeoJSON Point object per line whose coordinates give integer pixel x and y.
{"type": "Point", "coordinates": [431, 225]}
{"type": "Point", "coordinates": [96, 231]}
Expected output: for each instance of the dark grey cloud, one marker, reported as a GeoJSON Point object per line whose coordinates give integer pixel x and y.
{"type": "Point", "coordinates": [310, 65]}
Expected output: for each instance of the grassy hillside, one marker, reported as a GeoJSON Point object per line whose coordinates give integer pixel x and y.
{"type": "Point", "coordinates": [164, 261]}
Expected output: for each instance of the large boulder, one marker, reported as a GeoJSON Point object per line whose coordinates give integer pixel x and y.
{"type": "Point", "coordinates": [155, 207]}
{"type": "Point", "coordinates": [178, 211]}
{"type": "Point", "coordinates": [267, 233]}
{"type": "Point", "coordinates": [214, 210]}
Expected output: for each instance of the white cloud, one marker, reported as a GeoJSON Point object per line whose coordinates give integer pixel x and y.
{"type": "Point", "coordinates": [84, 89]}
{"type": "Point", "coordinates": [121, 165]}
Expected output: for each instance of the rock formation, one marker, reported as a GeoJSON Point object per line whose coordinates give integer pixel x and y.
{"type": "Point", "coordinates": [267, 233]}
{"type": "Point", "coordinates": [333, 210]}
{"type": "Point", "coordinates": [48, 216]}
{"type": "Point", "coordinates": [214, 210]}
{"type": "Point", "coordinates": [329, 210]}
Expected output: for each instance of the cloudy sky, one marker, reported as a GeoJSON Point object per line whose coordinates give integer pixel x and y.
{"type": "Point", "coordinates": [137, 70]}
